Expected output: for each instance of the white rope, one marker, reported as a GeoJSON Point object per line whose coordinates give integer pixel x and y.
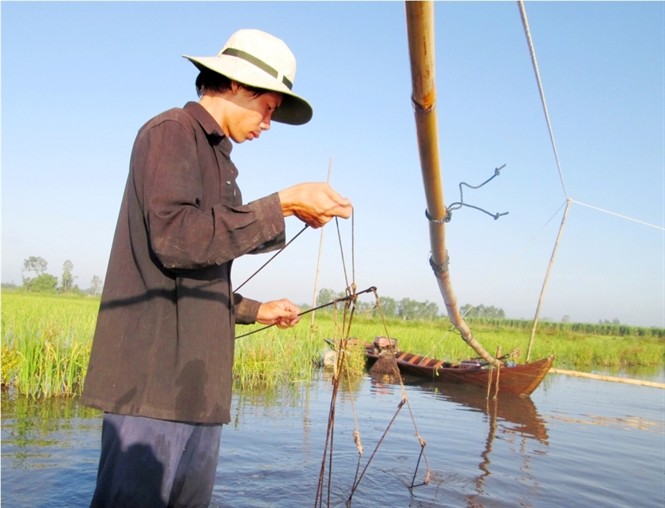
{"type": "Point", "coordinates": [661, 228]}
{"type": "Point", "coordinates": [527, 32]}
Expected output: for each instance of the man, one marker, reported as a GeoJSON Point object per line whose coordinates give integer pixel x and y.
{"type": "Point", "coordinates": [162, 356]}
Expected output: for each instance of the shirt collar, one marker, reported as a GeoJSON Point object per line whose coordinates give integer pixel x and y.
{"type": "Point", "coordinates": [209, 125]}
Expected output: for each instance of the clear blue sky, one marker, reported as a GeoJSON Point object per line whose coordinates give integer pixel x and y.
{"type": "Point", "coordinates": [79, 79]}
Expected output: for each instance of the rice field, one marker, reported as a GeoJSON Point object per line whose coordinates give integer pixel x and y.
{"type": "Point", "coordinates": [46, 342]}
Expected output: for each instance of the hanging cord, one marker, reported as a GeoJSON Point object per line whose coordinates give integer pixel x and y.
{"type": "Point", "coordinates": [271, 258]}
{"type": "Point", "coordinates": [329, 431]}
{"type": "Point", "coordinates": [349, 309]}
{"type": "Point", "coordinates": [353, 253]}
{"type": "Point", "coordinates": [340, 371]}
{"type": "Point", "coordinates": [404, 401]}
{"type": "Point", "coordinates": [347, 319]}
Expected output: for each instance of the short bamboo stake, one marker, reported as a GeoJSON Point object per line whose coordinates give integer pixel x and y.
{"type": "Point", "coordinates": [547, 277]}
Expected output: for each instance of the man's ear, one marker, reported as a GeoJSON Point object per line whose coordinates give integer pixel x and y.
{"type": "Point", "coordinates": [235, 87]}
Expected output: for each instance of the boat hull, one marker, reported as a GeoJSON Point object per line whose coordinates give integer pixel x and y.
{"type": "Point", "coordinates": [518, 379]}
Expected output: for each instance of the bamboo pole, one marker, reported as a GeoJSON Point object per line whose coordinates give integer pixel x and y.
{"type": "Point", "coordinates": [602, 377]}
{"type": "Point", "coordinates": [420, 28]}
{"type": "Point", "coordinates": [547, 277]}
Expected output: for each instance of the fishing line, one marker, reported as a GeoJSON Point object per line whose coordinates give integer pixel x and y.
{"type": "Point", "coordinates": [334, 302]}
{"type": "Point", "coordinates": [271, 258]}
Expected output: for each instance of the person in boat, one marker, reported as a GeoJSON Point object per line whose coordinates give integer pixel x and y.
{"type": "Point", "coordinates": [161, 361]}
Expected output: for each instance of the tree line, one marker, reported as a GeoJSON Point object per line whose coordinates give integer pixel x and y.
{"type": "Point", "coordinates": [408, 309]}
{"type": "Point", "coordinates": [36, 279]}
{"type": "Point", "coordinates": [405, 308]}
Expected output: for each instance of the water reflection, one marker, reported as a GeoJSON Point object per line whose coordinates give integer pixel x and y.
{"type": "Point", "coordinates": [50, 450]}
{"type": "Point", "coordinates": [509, 418]}
{"type": "Point", "coordinates": [517, 415]}
{"type": "Point", "coordinates": [30, 425]}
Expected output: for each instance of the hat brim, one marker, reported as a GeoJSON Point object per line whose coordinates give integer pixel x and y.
{"type": "Point", "coordinates": [294, 110]}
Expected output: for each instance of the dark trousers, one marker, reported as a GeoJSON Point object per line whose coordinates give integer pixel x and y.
{"type": "Point", "coordinates": [151, 463]}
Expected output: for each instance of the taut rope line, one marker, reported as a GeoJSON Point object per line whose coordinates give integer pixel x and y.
{"type": "Point", "coordinates": [534, 61]}
{"type": "Point", "coordinates": [271, 258]}
{"type": "Point", "coordinates": [661, 228]}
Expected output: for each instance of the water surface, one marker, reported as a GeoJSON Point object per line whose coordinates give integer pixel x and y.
{"type": "Point", "coordinates": [575, 442]}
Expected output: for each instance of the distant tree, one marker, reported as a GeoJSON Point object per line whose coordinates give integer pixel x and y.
{"type": "Point", "coordinates": [482, 311]}
{"type": "Point", "coordinates": [407, 308]}
{"type": "Point", "coordinates": [96, 285]}
{"type": "Point", "coordinates": [364, 307]}
{"type": "Point", "coordinates": [430, 310]}
{"type": "Point", "coordinates": [44, 283]}
{"type": "Point", "coordinates": [325, 296]}
{"type": "Point", "coordinates": [565, 319]}
{"type": "Point", "coordinates": [35, 264]}
{"type": "Point", "coordinates": [67, 282]}
{"type": "Point", "coordinates": [388, 306]}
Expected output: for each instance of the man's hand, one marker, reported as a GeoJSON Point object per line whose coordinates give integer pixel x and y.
{"type": "Point", "coordinates": [314, 203]}
{"type": "Point", "coordinates": [282, 313]}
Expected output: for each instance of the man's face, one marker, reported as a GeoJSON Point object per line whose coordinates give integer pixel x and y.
{"type": "Point", "coordinates": [252, 114]}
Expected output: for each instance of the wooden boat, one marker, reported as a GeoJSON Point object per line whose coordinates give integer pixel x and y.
{"type": "Point", "coordinates": [383, 357]}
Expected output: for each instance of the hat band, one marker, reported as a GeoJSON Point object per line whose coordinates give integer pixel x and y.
{"type": "Point", "coordinates": [258, 62]}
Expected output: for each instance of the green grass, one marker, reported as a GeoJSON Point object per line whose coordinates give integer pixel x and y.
{"type": "Point", "coordinates": [46, 344]}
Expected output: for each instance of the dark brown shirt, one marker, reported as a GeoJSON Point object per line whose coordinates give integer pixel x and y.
{"type": "Point", "coordinates": [164, 341]}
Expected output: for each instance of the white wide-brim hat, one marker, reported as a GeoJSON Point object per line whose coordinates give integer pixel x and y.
{"type": "Point", "coordinates": [258, 59]}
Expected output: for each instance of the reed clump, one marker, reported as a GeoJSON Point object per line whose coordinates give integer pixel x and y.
{"type": "Point", "coordinates": [275, 356]}
{"type": "Point", "coordinates": [272, 357]}
{"type": "Point", "coordinates": [46, 343]}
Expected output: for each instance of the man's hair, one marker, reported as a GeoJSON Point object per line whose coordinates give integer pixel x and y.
{"type": "Point", "coordinates": [211, 81]}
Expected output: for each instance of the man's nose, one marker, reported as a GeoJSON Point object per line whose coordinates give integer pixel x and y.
{"type": "Point", "coordinates": [265, 124]}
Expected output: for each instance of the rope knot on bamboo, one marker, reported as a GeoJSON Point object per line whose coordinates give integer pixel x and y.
{"type": "Point", "coordinates": [439, 268]}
